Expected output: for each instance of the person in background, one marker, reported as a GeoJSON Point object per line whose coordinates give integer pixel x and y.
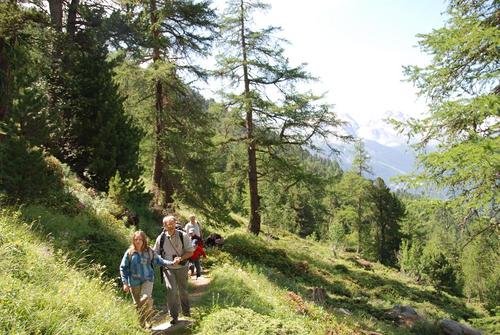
{"type": "Point", "coordinates": [193, 223]}
{"type": "Point", "coordinates": [137, 274]}
{"type": "Point", "coordinates": [175, 245]}
{"type": "Point", "coordinates": [197, 243]}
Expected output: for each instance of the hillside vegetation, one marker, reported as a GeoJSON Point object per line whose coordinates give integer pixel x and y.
{"type": "Point", "coordinates": [104, 130]}
{"type": "Point", "coordinates": [59, 276]}
{"type": "Point", "coordinates": [43, 292]}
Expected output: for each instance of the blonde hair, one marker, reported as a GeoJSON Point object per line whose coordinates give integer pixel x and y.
{"type": "Point", "coordinates": [141, 234]}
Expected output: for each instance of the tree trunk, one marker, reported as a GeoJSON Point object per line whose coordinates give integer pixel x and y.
{"type": "Point", "coordinates": [4, 80]}
{"type": "Point", "coordinates": [163, 189]}
{"type": "Point", "coordinates": [56, 13]}
{"type": "Point", "coordinates": [254, 224]}
{"type": "Point", "coordinates": [72, 11]}
{"type": "Point", "coordinates": [359, 226]}
{"type": "Point", "coordinates": [381, 255]}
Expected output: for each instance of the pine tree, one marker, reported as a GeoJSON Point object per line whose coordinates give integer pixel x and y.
{"type": "Point", "coordinates": [269, 111]}
{"type": "Point", "coordinates": [168, 33]}
{"type": "Point", "coordinates": [360, 165]}
{"type": "Point", "coordinates": [87, 126]}
{"type": "Point", "coordinates": [388, 212]}
{"type": "Point", "coordinates": [361, 162]}
{"type": "Point", "coordinates": [462, 87]}
{"type": "Point", "coordinates": [356, 207]}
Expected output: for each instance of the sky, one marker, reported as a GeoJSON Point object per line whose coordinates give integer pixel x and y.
{"type": "Point", "coordinates": [357, 48]}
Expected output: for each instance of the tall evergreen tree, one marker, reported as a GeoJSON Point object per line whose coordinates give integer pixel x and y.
{"type": "Point", "coordinates": [20, 30]}
{"type": "Point", "coordinates": [360, 165]}
{"type": "Point", "coordinates": [356, 206]}
{"type": "Point", "coordinates": [361, 161]}
{"type": "Point", "coordinates": [388, 212]}
{"type": "Point", "coordinates": [269, 111]}
{"type": "Point", "coordinates": [187, 134]}
{"type": "Point", "coordinates": [89, 129]}
{"type": "Point", "coordinates": [168, 33]}
{"type": "Point", "coordinates": [462, 87]}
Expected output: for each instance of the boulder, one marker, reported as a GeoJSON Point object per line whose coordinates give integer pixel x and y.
{"type": "Point", "coordinates": [450, 327]}
{"type": "Point", "coordinates": [404, 315]}
{"type": "Point", "coordinates": [343, 311]}
{"type": "Point", "coordinates": [370, 332]}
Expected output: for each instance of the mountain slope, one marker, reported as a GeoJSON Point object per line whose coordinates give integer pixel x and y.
{"type": "Point", "coordinates": [386, 161]}
{"type": "Point", "coordinates": [300, 286]}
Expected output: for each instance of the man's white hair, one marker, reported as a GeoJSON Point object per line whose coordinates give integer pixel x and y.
{"type": "Point", "coordinates": [168, 218]}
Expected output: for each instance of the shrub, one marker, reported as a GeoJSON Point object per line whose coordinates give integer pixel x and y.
{"type": "Point", "coordinates": [25, 175]}
{"type": "Point", "coordinates": [440, 271]}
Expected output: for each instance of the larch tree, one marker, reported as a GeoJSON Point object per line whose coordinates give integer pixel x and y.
{"type": "Point", "coordinates": [269, 110]}
{"type": "Point", "coordinates": [168, 33]}
{"type": "Point", "coordinates": [361, 166]}
{"type": "Point", "coordinates": [462, 88]}
{"type": "Point", "coordinates": [361, 161]}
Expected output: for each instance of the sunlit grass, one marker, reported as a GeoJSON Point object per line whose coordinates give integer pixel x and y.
{"type": "Point", "coordinates": [41, 293]}
{"type": "Point", "coordinates": [257, 273]}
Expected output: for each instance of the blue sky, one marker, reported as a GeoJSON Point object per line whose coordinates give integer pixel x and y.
{"type": "Point", "coordinates": [357, 48]}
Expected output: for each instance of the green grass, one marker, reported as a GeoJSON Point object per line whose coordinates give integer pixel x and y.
{"type": "Point", "coordinates": [256, 273]}
{"type": "Point", "coordinates": [60, 276]}
{"type": "Point", "coordinates": [42, 293]}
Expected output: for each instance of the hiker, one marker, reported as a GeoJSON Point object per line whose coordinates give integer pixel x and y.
{"type": "Point", "coordinates": [175, 245]}
{"type": "Point", "coordinates": [137, 274]}
{"type": "Point", "coordinates": [197, 243]}
{"type": "Point", "coordinates": [193, 223]}
{"type": "Point", "coordinates": [214, 240]}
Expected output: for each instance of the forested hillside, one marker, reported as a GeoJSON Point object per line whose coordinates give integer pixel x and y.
{"type": "Point", "coordinates": [103, 130]}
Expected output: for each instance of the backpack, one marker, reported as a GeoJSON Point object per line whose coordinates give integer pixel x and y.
{"type": "Point", "coordinates": [162, 240]}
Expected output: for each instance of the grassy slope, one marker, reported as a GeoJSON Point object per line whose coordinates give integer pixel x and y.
{"type": "Point", "coordinates": [42, 293]}
{"type": "Point", "coordinates": [257, 273]}
{"type": "Point", "coordinates": [253, 277]}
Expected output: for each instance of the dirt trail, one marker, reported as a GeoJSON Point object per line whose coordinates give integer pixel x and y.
{"type": "Point", "coordinates": [197, 288]}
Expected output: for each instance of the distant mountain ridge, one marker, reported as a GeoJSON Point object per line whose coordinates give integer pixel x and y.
{"type": "Point", "coordinates": [386, 161]}
{"type": "Point", "coordinates": [390, 156]}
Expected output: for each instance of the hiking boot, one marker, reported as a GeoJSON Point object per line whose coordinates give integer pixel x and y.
{"type": "Point", "coordinates": [174, 321]}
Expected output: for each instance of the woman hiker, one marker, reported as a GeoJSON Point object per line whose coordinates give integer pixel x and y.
{"type": "Point", "coordinates": [197, 243]}
{"type": "Point", "coordinates": [137, 274]}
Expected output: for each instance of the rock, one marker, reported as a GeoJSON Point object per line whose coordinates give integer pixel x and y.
{"type": "Point", "coordinates": [364, 263]}
{"type": "Point", "coordinates": [404, 315]}
{"type": "Point", "coordinates": [344, 311]}
{"type": "Point", "coordinates": [450, 327]}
